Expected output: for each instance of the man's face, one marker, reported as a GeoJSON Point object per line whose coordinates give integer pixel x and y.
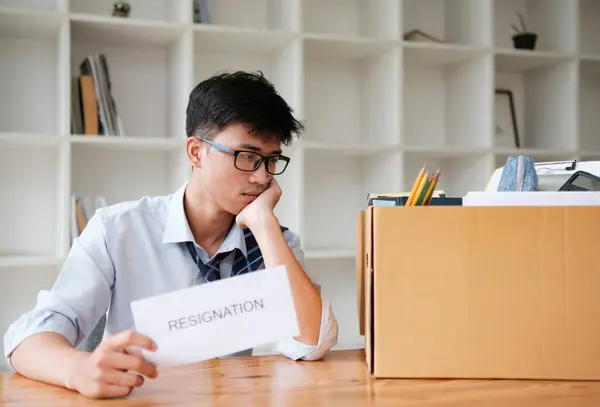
{"type": "Point", "coordinates": [229, 187]}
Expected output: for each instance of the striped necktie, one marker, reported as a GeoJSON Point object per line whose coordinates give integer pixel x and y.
{"type": "Point", "coordinates": [241, 264]}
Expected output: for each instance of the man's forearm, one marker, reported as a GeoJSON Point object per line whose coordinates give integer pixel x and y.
{"type": "Point", "coordinates": [307, 301]}
{"type": "Point", "coordinates": [45, 357]}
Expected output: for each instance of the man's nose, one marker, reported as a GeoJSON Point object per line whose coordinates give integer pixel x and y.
{"type": "Point", "coordinates": [260, 175]}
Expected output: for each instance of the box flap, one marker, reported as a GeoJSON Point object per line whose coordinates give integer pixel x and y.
{"type": "Point", "coordinates": [360, 271]}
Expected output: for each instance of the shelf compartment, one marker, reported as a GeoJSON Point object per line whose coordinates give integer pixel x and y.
{"type": "Point", "coordinates": [148, 10]}
{"type": "Point", "coordinates": [448, 105]}
{"type": "Point", "coordinates": [30, 5]}
{"type": "Point", "coordinates": [463, 22]}
{"type": "Point", "coordinates": [357, 149]}
{"type": "Point", "coordinates": [9, 140]}
{"type": "Point", "coordinates": [121, 32]}
{"type": "Point", "coordinates": [278, 60]}
{"type": "Point", "coordinates": [333, 253]}
{"type": "Point", "coordinates": [239, 41]}
{"type": "Point", "coordinates": [545, 101]}
{"type": "Point", "coordinates": [28, 74]}
{"type": "Point", "coordinates": [440, 55]}
{"type": "Point", "coordinates": [318, 45]}
{"type": "Point", "coordinates": [19, 23]}
{"type": "Point", "coordinates": [588, 156]}
{"type": "Point", "coordinates": [336, 277]}
{"type": "Point", "coordinates": [445, 152]}
{"type": "Point", "coordinates": [589, 29]}
{"type": "Point", "coordinates": [352, 98]}
{"type": "Point", "coordinates": [129, 143]}
{"type": "Point", "coordinates": [123, 175]}
{"type": "Point", "coordinates": [515, 61]}
{"type": "Point", "coordinates": [353, 18]}
{"type": "Point", "coordinates": [459, 174]}
{"type": "Point", "coordinates": [29, 213]}
{"type": "Point", "coordinates": [589, 100]}
{"type": "Point", "coordinates": [147, 65]}
{"type": "Point", "coordinates": [554, 22]}
{"type": "Point", "coordinates": [254, 14]}
{"type": "Point", "coordinates": [333, 203]}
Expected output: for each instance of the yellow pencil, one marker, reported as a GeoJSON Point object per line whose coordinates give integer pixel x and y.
{"type": "Point", "coordinates": [434, 181]}
{"type": "Point", "coordinates": [413, 191]}
{"type": "Point", "coordinates": [420, 189]}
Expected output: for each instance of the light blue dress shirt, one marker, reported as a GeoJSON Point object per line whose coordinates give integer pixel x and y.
{"type": "Point", "coordinates": [130, 251]}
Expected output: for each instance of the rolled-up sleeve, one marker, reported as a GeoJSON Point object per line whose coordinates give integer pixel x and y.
{"type": "Point", "coordinates": [328, 332]}
{"type": "Point", "coordinates": [79, 297]}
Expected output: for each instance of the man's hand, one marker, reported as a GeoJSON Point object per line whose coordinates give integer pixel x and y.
{"type": "Point", "coordinates": [261, 209]}
{"type": "Point", "coordinates": [112, 370]}
{"type": "Point", "coordinates": [275, 250]}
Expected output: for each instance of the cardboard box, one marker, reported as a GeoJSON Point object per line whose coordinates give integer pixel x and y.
{"type": "Point", "coordinates": [480, 292]}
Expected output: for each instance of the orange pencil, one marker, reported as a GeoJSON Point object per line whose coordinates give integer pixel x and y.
{"type": "Point", "coordinates": [413, 192]}
{"type": "Point", "coordinates": [434, 181]}
{"type": "Point", "coordinates": [420, 189]}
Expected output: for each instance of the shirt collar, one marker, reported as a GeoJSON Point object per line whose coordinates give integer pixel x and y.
{"type": "Point", "coordinates": [177, 228]}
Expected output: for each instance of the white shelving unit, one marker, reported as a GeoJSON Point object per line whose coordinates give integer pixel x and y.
{"type": "Point", "coordinates": [376, 109]}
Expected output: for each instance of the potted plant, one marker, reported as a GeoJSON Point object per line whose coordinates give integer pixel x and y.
{"type": "Point", "coordinates": [121, 9]}
{"type": "Point", "coordinates": [523, 39]}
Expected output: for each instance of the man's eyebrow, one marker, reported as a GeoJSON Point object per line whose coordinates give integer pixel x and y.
{"type": "Point", "coordinates": [257, 149]}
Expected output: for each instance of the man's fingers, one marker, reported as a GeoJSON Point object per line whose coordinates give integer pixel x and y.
{"type": "Point", "coordinates": [132, 350]}
{"type": "Point", "coordinates": [121, 379]}
{"type": "Point", "coordinates": [125, 339]}
{"type": "Point", "coordinates": [101, 390]}
{"type": "Point", "coordinates": [123, 361]}
{"type": "Point", "coordinates": [112, 390]}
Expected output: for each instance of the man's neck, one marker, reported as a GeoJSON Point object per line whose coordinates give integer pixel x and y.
{"type": "Point", "coordinates": [208, 223]}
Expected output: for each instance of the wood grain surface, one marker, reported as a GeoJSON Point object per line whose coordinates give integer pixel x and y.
{"type": "Point", "coordinates": [341, 379]}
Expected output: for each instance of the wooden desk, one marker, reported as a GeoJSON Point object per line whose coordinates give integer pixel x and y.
{"type": "Point", "coordinates": [339, 380]}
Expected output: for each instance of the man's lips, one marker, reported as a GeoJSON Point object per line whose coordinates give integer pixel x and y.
{"type": "Point", "coordinates": [249, 197]}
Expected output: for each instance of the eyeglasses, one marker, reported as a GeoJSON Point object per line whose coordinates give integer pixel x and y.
{"type": "Point", "coordinates": [249, 161]}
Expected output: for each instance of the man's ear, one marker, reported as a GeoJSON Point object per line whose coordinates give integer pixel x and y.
{"type": "Point", "coordinates": [193, 148]}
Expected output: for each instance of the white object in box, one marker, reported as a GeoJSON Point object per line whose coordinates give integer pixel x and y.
{"type": "Point", "coordinates": [532, 198]}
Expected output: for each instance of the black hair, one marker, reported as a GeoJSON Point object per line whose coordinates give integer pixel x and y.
{"type": "Point", "coordinates": [240, 98]}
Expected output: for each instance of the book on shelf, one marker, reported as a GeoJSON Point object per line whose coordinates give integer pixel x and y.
{"type": "Point", "coordinates": [421, 36]}
{"type": "Point", "coordinates": [93, 108]}
{"type": "Point", "coordinates": [201, 12]}
{"type": "Point", "coordinates": [82, 209]}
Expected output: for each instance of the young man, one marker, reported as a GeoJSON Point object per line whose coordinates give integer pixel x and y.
{"type": "Point", "coordinates": [236, 124]}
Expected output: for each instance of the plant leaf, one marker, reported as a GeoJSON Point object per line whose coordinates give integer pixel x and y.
{"type": "Point", "coordinates": [522, 20]}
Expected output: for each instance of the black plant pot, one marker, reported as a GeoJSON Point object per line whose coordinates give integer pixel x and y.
{"type": "Point", "coordinates": [525, 41]}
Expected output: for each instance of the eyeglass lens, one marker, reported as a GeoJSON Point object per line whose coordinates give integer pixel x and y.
{"type": "Point", "coordinates": [247, 161]}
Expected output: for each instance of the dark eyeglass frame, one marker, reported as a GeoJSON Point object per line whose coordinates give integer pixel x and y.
{"type": "Point", "coordinates": [263, 159]}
